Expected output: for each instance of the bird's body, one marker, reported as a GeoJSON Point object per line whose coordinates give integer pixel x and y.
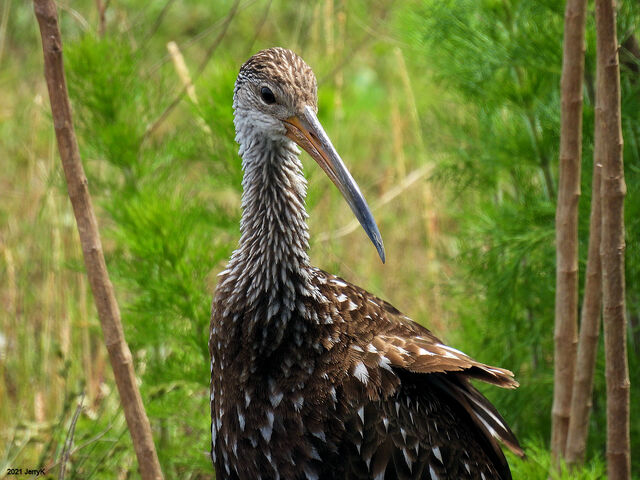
{"type": "Point", "coordinates": [311, 376]}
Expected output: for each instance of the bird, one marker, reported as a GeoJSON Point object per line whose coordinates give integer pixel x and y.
{"type": "Point", "coordinates": [313, 377]}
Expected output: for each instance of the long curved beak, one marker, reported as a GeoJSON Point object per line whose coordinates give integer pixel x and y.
{"type": "Point", "coordinates": [307, 132]}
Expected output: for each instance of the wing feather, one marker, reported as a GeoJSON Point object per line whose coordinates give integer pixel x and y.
{"type": "Point", "coordinates": [414, 412]}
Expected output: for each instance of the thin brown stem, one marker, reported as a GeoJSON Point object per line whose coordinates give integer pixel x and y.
{"type": "Point", "coordinates": [77, 186]}
{"type": "Point", "coordinates": [66, 450]}
{"type": "Point", "coordinates": [581, 398]}
{"type": "Point", "coordinates": [102, 6]}
{"type": "Point", "coordinates": [566, 306]}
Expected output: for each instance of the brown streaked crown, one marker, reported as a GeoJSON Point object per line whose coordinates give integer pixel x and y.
{"type": "Point", "coordinates": [284, 69]}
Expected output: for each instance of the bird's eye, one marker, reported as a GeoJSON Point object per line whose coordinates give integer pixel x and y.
{"type": "Point", "coordinates": [267, 95]}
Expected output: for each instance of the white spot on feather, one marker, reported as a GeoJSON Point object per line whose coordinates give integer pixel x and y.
{"type": "Point", "coordinates": [438, 455]}
{"type": "Point", "coordinates": [267, 430]}
{"type": "Point", "coordinates": [310, 472]}
{"type": "Point", "coordinates": [341, 298]}
{"type": "Point", "coordinates": [407, 459]}
{"type": "Point", "coordinates": [401, 350]}
{"type": "Point", "coordinates": [451, 349]}
{"type": "Point", "coordinates": [488, 412]}
{"type": "Point", "coordinates": [433, 474]}
{"type": "Point", "coordinates": [450, 355]}
{"type": "Point", "coordinates": [495, 370]}
{"type": "Point", "coordinates": [276, 398]}
{"type": "Point", "coordinates": [368, 462]}
{"type": "Point", "coordinates": [314, 454]}
{"type": "Point", "coordinates": [332, 392]}
{"type": "Point", "coordinates": [361, 372]}
{"type": "Point", "coordinates": [241, 421]}
{"type": "Point", "coordinates": [493, 433]}
{"type": "Point", "coordinates": [320, 435]}
{"type": "Point", "coordinates": [385, 363]}
{"type": "Point", "coordinates": [422, 351]}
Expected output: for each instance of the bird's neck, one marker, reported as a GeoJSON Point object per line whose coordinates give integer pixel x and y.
{"type": "Point", "coordinates": [272, 259]}
{"type": "Point", "coordinates": [274, 219]}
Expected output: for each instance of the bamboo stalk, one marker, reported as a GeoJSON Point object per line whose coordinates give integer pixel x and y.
{"type": "Point", "coordinates": [612, 248]}
{"type": "Point", "coordinates": [566, 307]}
{"type": "Point", "coordinates": [108, 311]}
{"type": "Point", "coordinates": [581, 399]}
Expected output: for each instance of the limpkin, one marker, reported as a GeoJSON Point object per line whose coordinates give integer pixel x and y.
{"type": "Point", "coordinates": [311, 376]}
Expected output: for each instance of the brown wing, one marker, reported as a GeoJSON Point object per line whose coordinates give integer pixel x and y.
{"type": "Point", "coordinates": [423, 431]}
{"type": "Point", "coordinates": [414, 412]}
{"type": "Point", "coordinates": [426, 354]}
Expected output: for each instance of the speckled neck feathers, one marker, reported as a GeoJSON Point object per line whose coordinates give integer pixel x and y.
{"type": "Point", "coordinates": [271, 264]}
{"type": "Point", "coordinates": [275, 237]}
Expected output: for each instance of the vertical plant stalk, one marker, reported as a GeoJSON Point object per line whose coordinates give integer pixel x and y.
{"type": "Point", "coordinates": [102, 16]}
{"type": "Point", "coordinates": [101, 286]}
{"type": "Point", "coordinates": [613, 191]}
{"type": "Point", "coordinates": [566, 308]}
{"type": "Point", "coordinates": [581, 399]}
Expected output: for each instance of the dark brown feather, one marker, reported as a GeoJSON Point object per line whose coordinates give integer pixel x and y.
{"type": "Point", "coordinates": [380, 394]}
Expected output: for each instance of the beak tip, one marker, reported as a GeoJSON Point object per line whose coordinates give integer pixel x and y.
{"type": "Point", "coordinates": [307, 132]}
{"type": "Point", "coordinates": [370, 227]}
{"type": "Point", "coordinates": [377, 242]}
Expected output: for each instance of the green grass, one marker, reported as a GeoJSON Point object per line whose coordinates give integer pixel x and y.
{"type": "Point", "coordinates": [537, 465]}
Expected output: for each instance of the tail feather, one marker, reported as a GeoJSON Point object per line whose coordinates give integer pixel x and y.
{"type": "Point", "coordinates": [486, 415]}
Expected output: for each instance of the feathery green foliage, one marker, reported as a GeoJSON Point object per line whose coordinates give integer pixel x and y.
{"type": "Point", "coordinates": [169, 226]}
{"type": "Point", "coordinates": [503, 61]}
{"type": "Point", "coordinates": [537, 466]}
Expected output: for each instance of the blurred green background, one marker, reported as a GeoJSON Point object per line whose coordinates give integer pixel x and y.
{"type": "Point", "coordinates": [447, 114]}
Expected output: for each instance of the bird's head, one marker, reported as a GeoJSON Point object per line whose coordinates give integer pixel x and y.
{"type": "Point", "coordinates": [276, 98]}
